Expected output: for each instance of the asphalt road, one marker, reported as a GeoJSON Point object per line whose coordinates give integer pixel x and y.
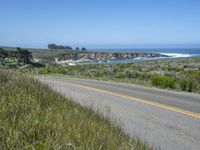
{"type": "Point", "coordinates": [166, 119]}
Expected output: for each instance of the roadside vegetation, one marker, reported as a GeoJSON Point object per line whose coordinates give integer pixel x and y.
{"type": "Point", "coordinates": [32, 116]}
{"type": "Point", "coordinates": [181, 74]}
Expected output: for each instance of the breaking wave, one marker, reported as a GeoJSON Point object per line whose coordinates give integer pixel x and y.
{"type": "Point", "coordinates": [177, 55]}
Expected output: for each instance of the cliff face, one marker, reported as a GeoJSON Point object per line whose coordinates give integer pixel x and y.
{"type": "Point", "coordinates": [107, 56]}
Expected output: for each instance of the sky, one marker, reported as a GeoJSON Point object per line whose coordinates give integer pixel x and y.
{"type": "Point", "coordinates": [100, 23]}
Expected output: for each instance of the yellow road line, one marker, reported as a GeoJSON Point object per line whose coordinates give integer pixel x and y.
{"type": "Point", "coordinates": [147, 102]}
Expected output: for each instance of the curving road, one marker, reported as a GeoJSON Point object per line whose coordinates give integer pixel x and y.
{"type": "Point", "coordinates": [166, 119]}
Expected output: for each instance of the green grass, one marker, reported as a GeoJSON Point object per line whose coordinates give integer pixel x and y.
{"type": "Point", "coordinates": [49, 54]}
{"type": "Point", "coordinates": [32, 116]}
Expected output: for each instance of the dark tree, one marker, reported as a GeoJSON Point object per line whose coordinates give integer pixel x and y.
{"type": "Point", "coordinates": [3, 55]}
{"type": "Point", "coordinates": [54, 46]}
{"type": "Point", "coordinates": [83, 49]}
{"type": "Point", "coordinates": [24, 56]}
{"type": "Point", "coordinates": [68, 47]}
{"type": "Point", "coordinates": [12, 54]}
{"type": "Point", "coordinates": [77, 48]}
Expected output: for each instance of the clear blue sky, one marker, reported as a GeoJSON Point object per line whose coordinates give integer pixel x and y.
{"type": "Point", "coordinates": [100, 23]}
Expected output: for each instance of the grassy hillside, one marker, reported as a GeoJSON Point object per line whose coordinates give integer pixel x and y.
{"type": "Point", "coordinates": [32, 116]}
{"type": "Point", "coordinates": [42, 53]}
{"type": "Point", "coordinates": [46, 54]}
{"type": "Point", "coordinates": [180, 74]}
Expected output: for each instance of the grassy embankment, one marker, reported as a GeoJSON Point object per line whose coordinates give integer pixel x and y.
{"type": "Point", "coordinates": [32, 116]}
{"type": "Point", "coordinates": [179, 74]}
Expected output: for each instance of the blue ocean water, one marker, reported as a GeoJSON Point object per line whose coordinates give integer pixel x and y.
{"type": "Point", "coordinates": [189, 51]}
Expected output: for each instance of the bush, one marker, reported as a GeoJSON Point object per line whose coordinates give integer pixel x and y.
{"type": "Point", "coordinates": [192, 85]}
{"type": "Point", "coordinates": [175, 68]}
{"type": "Point", "coordinates": [189, 84]}
{"type": "Point", "coordinates": [144, 76]}
{"type": "Point", "coordinates": [38, 64]}
{"type": "Point", "coordinates": [45, 70]}
{"type": "Point", "coordinates": [121, 75]}
{"type": "Point", "coordinates": [163, 81]}
{"type": "Point", "coordinates": [183, 84]}
{"type": "Point", "coordinates": [132, 74]}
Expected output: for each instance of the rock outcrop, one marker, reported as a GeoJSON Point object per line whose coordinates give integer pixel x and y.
{"type": "Point", "coordinates": [95, 56]}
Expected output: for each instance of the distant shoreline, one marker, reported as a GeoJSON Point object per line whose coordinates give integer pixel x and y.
{"type": "Point", "coordinates": [108, 56]}
{"type": "Point", "coordinates": [135, 60]}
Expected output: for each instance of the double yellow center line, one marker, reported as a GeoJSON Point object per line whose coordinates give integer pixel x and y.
{"type": "Point", "coordinates": [147, 102]}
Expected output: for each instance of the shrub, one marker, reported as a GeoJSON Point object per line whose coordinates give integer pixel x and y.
{"type": "Point", "coordinates": [189, 84]}
{"type": "Point", "coordinates": [183, 84]}
{"type": "Point", "coordinates": [175, 68]}
{"type": "Point", "coordinates": [192, 85]}
{"type": "Point", "coordinates": [121, 75]}
{"type": "Point", "coordinates": [144, 76]}
{"type": "Point", "coordinates": [45, 70]}
{"type": "Point", "coordinates": [108, 71]}
{"type": "Point", "coordinates": [98, 74]}
{"type": "Point", "coordinates": [132, 74]}
{"type": "Point", "coordinates": [162, 81]}
{"type": "Point", "coordinates": [62, 70]}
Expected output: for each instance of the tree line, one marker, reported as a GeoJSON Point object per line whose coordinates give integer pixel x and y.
{"type": "Point", "coordinates": [55, 46]}
{"type": "Point", "coordinates": [21, 55]}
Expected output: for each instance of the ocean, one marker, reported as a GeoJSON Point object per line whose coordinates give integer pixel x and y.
{"type": "Point", "coordinates": [176, 52]}
{"type": "Point", "coordinates": [172, 52]}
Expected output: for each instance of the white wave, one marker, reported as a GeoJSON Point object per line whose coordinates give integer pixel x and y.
{"type": "Point", "coordinates": [177, 55]}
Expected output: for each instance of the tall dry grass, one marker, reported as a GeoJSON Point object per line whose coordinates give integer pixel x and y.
{"type": "Point", "coordinates": [32, 116]}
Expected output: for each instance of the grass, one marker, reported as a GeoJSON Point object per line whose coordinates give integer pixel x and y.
{"type": "Point", "coordinates": [32, 116]}
{"type": "Point", "coordinates": [49, 54]}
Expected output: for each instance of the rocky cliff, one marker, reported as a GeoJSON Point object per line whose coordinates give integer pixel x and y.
{"type": "Point", "coordinates": [106, 56]}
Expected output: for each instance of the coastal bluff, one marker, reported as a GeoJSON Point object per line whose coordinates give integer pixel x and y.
{"type": "Point", "coordinates": [96, 56]}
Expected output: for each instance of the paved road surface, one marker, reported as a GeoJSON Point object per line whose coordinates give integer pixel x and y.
{"type": "Point", "coordinates": [166, 119]}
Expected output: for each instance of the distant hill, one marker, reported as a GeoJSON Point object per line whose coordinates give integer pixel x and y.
{"type": "Point", "coordinates": [42, 53]}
